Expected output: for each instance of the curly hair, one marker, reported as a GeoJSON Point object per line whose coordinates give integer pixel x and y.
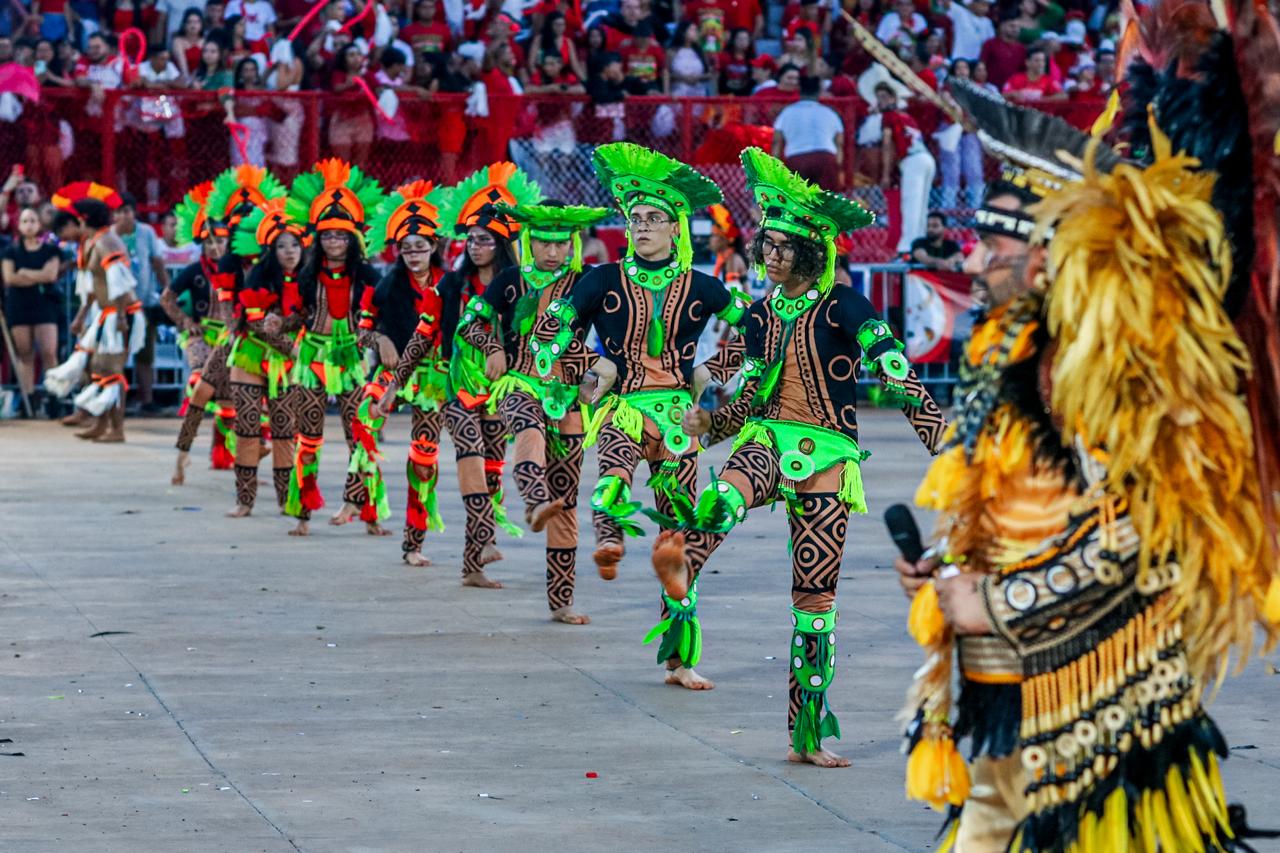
{"type": "Point", "coordinates": [810, 259]}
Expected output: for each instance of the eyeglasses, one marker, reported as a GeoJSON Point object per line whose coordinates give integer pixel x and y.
{"type": "Point", "coordinates": [650, 222]}
{"type": "Point", "coordinates": [784, 250]}
{"type": "Point", "coordinates": [425, 251]}
{"type": "Point", "coordinates": [481, 241]}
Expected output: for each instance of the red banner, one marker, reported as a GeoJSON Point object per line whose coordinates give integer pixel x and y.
{"type": "Point", "coordinates": [936, 304]}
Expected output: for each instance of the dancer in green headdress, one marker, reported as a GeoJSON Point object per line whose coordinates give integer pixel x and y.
{"type": "Point", "coordinates": [794, 412]}
{"type": "Point", "coordinates": [542, 414]}
{"type": "Point", "coordinates": [649, 311]}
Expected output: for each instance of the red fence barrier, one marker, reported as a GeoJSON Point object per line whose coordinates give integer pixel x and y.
{"type": "Point", "coordinates": [156, 144]}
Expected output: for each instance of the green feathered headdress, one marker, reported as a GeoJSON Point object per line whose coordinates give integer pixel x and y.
{"type": "Point", "coordinates": [554, 223]}
{"type": "Point", "coordinates": [793, 205]}
{"type": "Point", "coordinates": [635, 175]}
{"type": "Point", "coordinates": [193, 224]}
{"type": "Point", "coordinates": [472, 201]}
{"type": "Point", "coordinates": [239, 190]}
{"type": "Point", "coordinates": [260, 229]}
{"type": "Point", "coordinates": [335, 195]}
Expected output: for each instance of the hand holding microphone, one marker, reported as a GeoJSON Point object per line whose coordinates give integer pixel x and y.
{"type": "Point", "coordinates": [915, 566]}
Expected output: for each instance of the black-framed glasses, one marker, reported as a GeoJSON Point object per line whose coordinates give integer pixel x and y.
{"type": "Point", "coordinates": [651, 221]}
{"type": "Point", "coordinates": [784, 250]}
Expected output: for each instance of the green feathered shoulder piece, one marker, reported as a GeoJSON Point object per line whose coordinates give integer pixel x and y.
{"type": "Point", "coordinates": [262, 227]}
{"type": "Point", "coordinates": [239, 188]}
{"type": "Point", "coordinates": [554, 222]}
{"type": "Point", "coordinates": [191, 214]}
{"type": "Point", "coordinates": [412, 208]}
{"type": "Point", "coordinates": [790, 203]}
{"type": "Point", "coordinates": [470, 202]}
{"type": "Point", "coordinates": [634, 175]}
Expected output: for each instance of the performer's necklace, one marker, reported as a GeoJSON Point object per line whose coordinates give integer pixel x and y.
{"type": "Point", "coordinates": [788, 308]}
{"type": "Point", "coordinates": [540, 279]}
{"type": "Point", "coordinates": [651, 279]}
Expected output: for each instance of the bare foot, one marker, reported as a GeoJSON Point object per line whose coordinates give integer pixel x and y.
{"type": "Point", "coordinates": [241, 511]}
{"type": "Point", "coordinates": [113, 437]}
{"type": "Point", "coordinates": [669, 565]}
{"type": "Point", "coordinates": [344, 515]}
{"type": "Point", "coordinates": [538, 516]}
{"type": "Point", "coordinates": [415, 558]}
{"type": "Point", "coordinates": [76, 418]}
{"type": "Point", "coordinates": [303, 529]}
{"type": "Point", "coordinates": [480, 579]}
{"type": "Point", "coordinates": [180, 469]}
{"type": "Point", "coordinates": [686, 677]}
{"type": "Point", "coordinates": [569, 616]}
{"type": "Point", "coordinates": [490, 554]}
{"type": "Point", "coordinates": [376, 529]}
{"type": "Point", "coordinates": [93, 432]}
{"type": "Point", "coordinates": [821, 758]}
{"type": "Point", "coordinates": [607, 558]}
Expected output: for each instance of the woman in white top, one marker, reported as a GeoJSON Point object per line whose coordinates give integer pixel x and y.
{"type": "Point", "coordinates": [690, 76]}
{"type": "Point", "coordinates": [285, 75]}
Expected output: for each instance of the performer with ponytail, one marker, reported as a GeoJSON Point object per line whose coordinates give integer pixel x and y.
{"type": "Point", "coordinates": [542, 414]}
{"type": "Point", "coordinates": [649, 311]}
{"type": "Point", "coordinates": [110, 323]}
{"type": "Point", "coordinates": [479, 438]}
{"type": "Point", "coordinates": [794, 420]}
{"type": "Point", "coordinates": [268, 316]}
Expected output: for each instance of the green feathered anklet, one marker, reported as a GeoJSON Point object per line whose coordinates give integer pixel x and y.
{"type": "Point", "coordinates": [681, 631]}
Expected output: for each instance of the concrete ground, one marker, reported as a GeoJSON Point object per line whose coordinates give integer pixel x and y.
{"type": "Point", "coordinates": [178, 681]}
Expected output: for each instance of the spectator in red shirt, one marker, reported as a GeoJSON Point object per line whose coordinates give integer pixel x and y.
{"type": "Point", "coordinates": [496, 129]}
{"type": "Point", "coordinates": [645, 61]}
{"type": "Point", "coordinates": [554, 40]}
{"type": "Point", "coordinates": [735, 64]}
{"type": "Point", "coordinates": [727, 15]}
{"type": "Point", "coordinates": [187, 43]}
{"type": "Point", "coordinates": [427, 33]}
{"type": "Point", "coordinates": [1004, 55]}
{"type": "Point", "coordinates": [121, 15]}
{"type": "Point", "coordinates": [785, 90]}
{"type": "Point", "coordinates": [762, 70]}
{"type": "Point", "coordinates": [620, 27]}
{"type": "Point", "coordinates": [351, 120]}
{"type": "Point", "coordinates": [502, 30]}
{"type": "Point", "coordinates": [810, 15]}
{"type": "Point", "coordinates": [1034, 84]}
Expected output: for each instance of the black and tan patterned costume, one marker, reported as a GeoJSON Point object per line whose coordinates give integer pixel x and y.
{"type": "Point", "coordinates": [479, 437]}
{"type": "Point", "coordinates": [405, 301]}
{"type": "Point", "coordinates": [541, 414]}
{"type": "Point", "coordinates": [794, 416]}
{"type": "Point", "coordinates": [339, 198]}
{"type": "Point", "coordinates": [1102, 474]}
{"type": "Point", "coordinates": [268, 315]}
{"type": "Point", "coordinates": [212, 210]}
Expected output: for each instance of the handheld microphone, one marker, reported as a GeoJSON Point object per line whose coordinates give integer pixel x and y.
{"type": "Point", "coordinates": [904, 532]}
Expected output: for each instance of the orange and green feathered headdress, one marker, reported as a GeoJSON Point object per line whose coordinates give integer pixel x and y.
{"type": "Point", "coordinates": [722, 222]}
{"type": "Point", "coordinates": [262, 227]}
{"type": "Point", "coordinates": [65, 198]}
{"type": "Point", "coordinates": [471, 202]}
{"type": "Point", "coordinates": [193, 224]}
{"type": "Point", "coordinates": [335, 195]}
{"type": "Point", "coordinates": [412, 208]}
{"type": "Point", "coordinates": [240, 190]}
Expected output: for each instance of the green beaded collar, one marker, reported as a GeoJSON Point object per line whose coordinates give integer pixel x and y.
{"type": "Point", "coordinates": [654, 280]}
{"type": "Point", "coordinates": [541, 280]}
{"type": "Point", "coordinates": [790, 307]}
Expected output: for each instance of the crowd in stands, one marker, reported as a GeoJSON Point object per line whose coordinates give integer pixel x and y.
{"type": "Point", "coordinates": [381, 52]}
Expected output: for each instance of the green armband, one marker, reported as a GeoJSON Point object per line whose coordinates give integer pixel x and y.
{"type": "Point", "coordinates": [546, 353]}
{"type": "Point", "coordinates": [733, 313]}
{"type": "Point", "coordinates": [891, 365]}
